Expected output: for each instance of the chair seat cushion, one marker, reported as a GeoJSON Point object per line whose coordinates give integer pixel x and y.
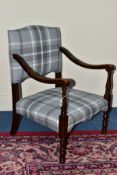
{"type": "Point", "coordinates": [45, 107]}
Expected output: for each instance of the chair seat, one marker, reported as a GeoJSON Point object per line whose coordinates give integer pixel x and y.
{"type": "Point", "coordinates": [45, 107]}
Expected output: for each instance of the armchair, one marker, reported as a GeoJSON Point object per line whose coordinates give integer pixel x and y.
{"type": "Point", "coordinates": [34, 52]}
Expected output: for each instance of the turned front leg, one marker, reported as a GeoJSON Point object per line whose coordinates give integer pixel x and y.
{"type": "Point", "coordinates": [63, 127]}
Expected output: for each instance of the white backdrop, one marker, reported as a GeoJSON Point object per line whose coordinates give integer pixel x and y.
{"type": "Point", "coordinates": [89, 30]}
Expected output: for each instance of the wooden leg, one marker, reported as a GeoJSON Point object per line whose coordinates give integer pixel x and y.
{"type": "Point", "coordinates": [16, 95]}
{"type": "Point", "coordinates": [63, 127]}
{"type": "Point", "coordinates": [63, 148]}
{"type": "Point", "coordinates": [105, 122]}
{"type": "Point", "coordinates": [15, 123]}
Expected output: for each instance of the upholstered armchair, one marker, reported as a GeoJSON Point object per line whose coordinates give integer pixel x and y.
{"type": "Point", "coordinates": [34, 52]}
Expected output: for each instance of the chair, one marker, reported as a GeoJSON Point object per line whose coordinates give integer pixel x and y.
{"type": "Point", "coordinates": [34, 52]}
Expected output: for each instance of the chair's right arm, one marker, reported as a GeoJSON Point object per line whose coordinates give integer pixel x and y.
{"type": "Point", "coordinates": [108, 67]}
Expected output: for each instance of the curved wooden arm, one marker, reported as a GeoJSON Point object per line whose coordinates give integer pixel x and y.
{"type": "Point", "coordinates": [108, 67]}
{"type": "Point", "coordinates": [84, 64]}
{"type": "Point", "coordinates": [58, 81]}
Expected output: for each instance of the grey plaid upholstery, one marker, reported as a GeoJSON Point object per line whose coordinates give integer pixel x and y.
{"type": "Point", "coordinates": [44, 107]}
{"type": "Point", "coordinates": [39, 46]}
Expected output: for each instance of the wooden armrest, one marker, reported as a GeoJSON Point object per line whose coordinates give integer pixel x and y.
{"type": "Point", "coordinates": [33, 74]}
{"type": "Point", "coordinates": [108, 67]}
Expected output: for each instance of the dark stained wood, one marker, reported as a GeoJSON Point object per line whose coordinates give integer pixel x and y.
{"type": "Point", "coordinates": [109, 83]}
{"type": "Point", "coordinates": [83, 64]}
{"type": "Point", "coordinates": [108, 96]}
{"type": "Point", "coordinates": [105, 121]}
{"type": "Point", "coordinates": [64, 84]}
{"type": "Point", "coordinates": [63, 126]}
{"type": "Point", "coordinates": [58, 81]}
{"type": "Point", "coordinates": [58, 75]}
{"type": "Point", "coordinates": [16, 95]}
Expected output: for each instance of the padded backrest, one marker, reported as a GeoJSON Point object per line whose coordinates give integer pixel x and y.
{"type": "Point", "coordinates": [39, 46]}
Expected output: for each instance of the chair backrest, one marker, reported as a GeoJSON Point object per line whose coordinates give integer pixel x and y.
{"type": "Point", "coordinates": [39, 46]}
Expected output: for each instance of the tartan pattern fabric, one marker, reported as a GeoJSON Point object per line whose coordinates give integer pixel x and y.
{"type": "Point", "coordinates": [45, 107]}
{"type": "Point", "coordinates": [39, 46]}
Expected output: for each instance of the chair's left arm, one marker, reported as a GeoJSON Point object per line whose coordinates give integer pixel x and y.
{"type": "Point", "coordinates": [33, 74]}
{"type": "Point", "coordinates": [63, 83]}
{"type": "Point", "coordinates": [108, 67]}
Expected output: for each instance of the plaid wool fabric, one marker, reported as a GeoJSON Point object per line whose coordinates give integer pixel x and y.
{"type": "Point", "coordinates": [45, 108]}
{"type": "Point", "coordinates": [39, 46]}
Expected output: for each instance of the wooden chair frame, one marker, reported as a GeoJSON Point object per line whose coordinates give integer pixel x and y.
{"type": "Point", "coordinates": [63, 83]}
